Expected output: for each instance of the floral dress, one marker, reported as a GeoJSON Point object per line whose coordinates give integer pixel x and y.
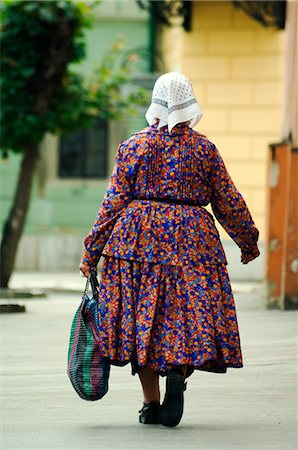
{"type": "Point", "coordinates": [165, 296]}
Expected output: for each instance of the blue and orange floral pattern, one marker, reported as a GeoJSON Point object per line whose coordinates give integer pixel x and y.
{"type": "Point", "coordinates": [165, 295]}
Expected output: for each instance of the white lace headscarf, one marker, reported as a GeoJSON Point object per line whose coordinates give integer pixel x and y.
{"type": "Point", "coordinates": [173, 102]}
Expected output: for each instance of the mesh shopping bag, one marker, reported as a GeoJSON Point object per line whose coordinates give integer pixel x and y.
{"type": "Point", "coordinates": [87, 370]}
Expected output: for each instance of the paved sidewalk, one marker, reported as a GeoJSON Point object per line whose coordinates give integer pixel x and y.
{"type": "Point", "coordinates": [48, 281]}
{"type": "Point", "coordinates": [251, 408]}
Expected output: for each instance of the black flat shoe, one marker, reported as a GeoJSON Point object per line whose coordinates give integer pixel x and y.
{"type": "Point", "coordinates": [172, 407]}
{"type": "Point", "coordinates": [150, 413]}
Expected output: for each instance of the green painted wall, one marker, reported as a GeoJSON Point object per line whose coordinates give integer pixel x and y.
{"type": "Point", "coordinates": [132, 34]}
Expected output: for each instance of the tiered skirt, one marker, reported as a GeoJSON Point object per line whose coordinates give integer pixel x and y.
{"type": "Point", "coordinates": [160, 315]}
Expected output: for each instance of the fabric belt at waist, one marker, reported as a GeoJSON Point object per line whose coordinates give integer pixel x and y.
{"type": "Point", "coordinates": [168, 200]}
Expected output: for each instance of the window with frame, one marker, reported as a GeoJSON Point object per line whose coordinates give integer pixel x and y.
{"type": "Point", "coordinates": [84, 154]}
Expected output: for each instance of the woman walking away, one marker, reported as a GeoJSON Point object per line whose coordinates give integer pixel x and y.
{"type": "Point", "coordinates": [165, 300]}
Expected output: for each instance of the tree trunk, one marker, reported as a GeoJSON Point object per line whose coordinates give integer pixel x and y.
{"type": "Point", "coordinates": [15, 222]}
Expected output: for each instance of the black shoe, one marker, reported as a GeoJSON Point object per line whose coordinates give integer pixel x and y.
{"type": "Point", "coordinates": [150, 413]}
{"type": "Point", "coordinates": [172, 407]}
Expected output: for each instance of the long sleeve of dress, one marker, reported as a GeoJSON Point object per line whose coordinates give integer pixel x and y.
{"type": "Point", "coordinates": [230, 208]}
{"type": "Point", "coordinates": [117, 197]}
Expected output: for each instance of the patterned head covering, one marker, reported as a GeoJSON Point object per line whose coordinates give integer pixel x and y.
{"type": "Point", "coordinates": [173, 102]}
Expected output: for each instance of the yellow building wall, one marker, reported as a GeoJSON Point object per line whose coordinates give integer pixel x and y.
{"type": "Point", "coordinates": [236, 67]}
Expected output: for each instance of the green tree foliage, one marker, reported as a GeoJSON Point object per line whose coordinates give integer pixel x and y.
{"type": "Point", "coordinates": [40, 41]}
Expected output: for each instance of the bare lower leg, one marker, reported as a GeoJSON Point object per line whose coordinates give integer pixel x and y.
{"type": "Point", "coordinates": [150, 385]}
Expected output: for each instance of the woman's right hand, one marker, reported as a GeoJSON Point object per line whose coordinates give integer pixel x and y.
{"type": "Point", "coordinates": [85, 270]}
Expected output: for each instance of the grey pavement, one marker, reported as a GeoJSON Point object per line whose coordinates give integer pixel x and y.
{"type": "Point", "coordinates": [250, 408]}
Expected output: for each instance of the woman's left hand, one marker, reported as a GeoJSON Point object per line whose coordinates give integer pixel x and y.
{"type": "Point", "coordinates": [85, 269]}
{"type": "Point", "coordinates": [247, 257]}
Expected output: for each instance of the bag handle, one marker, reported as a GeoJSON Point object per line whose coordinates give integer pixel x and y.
{"type": "Point", "coordinates": [92, 279]}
